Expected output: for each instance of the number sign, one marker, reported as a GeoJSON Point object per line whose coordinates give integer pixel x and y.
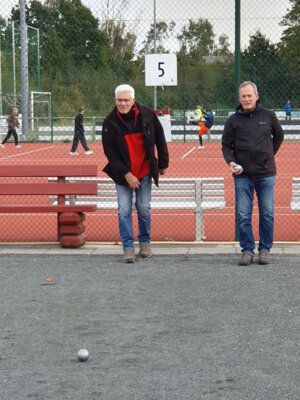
{"type": "Point", "coordinates": [160, 70]}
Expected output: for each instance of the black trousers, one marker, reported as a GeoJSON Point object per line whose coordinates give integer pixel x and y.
{"type": "Point", "coordinates": [79, 137]}
{"type": "Point", "coordinates": [11, 132]}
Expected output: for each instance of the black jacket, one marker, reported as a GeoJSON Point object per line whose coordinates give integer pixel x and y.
{"type": "Point", "coordinates": [252, 139]}
{"type": "Point", "coordinates": [116, 151]}
{"type": "Point", "coordinates": [78, 128]}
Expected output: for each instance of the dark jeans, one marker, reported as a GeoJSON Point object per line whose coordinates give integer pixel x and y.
{"type": "Point", "coordinates": [79, 137]}
{"type": "Point", "coordinates": [11, 132]}
{"type": "Point", "coordinates": [244, 192]}
{"type": "Point", "coordinates": [143, 206]}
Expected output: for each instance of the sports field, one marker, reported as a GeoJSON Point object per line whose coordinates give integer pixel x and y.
{"type": "Point", "coordinates": [186, 160]}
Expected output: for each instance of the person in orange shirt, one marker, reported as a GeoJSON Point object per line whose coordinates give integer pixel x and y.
{"type": "Point", "coordinates": [205, 126]}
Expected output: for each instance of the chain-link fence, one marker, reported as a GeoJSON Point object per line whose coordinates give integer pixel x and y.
{"type": "Point", "coordinates": [79, 51]}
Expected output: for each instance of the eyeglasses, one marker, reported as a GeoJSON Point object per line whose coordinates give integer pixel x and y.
{"type": "Point", "coordinates": [123, 100]}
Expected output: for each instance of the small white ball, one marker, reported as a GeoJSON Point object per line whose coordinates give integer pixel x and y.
{"type": "Point", "coordinates": [237, 167]}
{"type": "Point", "coordinates": [83, 355]}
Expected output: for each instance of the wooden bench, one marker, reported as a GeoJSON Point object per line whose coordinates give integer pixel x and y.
{"type": "Point", "coordinates": [295, 203]}
{"type": "Point", "coordinates": [31, 195]}
{"type": "Point", "coordinates": [198, 194]}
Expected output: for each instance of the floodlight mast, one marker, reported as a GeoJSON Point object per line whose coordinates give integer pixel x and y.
{"type": "Point", "coordinates": [154, 51]}
{"type": "Point", "coordinates": [24, 69]}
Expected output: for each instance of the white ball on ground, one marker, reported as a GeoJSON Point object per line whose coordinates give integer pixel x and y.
{"type": "Point", "coordinates": [83, 355]}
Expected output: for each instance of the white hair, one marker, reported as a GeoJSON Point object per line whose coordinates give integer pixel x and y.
{"type": "Point", "coordinates": [125, 88]}
{"type": "Point", "coordinates": [246, 83]}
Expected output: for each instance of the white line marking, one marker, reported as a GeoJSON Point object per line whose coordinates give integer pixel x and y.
{"type": "Point", "coordinates": [189, 152]}
{"type": "Point", "coordinates": [27, 152]}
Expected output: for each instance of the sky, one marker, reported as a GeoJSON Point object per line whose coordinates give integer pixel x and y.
{"type": "Point", "coordinates": [263, 15]}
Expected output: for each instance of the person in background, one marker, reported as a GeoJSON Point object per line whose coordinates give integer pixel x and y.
{"type": "Point", "coordinates": [13, 124]}
{"type": "Point", "coordinates": [205, 126]}
{"type": "Point", "coordinates": [251, 138]}
{"type": "Point", "coordinates": [288, 110]}
{"type": "Point", "coordinates": [132, 134]}
{"type": "Point", "coordinates": [79, 135]}
{"type": "Point", "coordinates": [198, 114]}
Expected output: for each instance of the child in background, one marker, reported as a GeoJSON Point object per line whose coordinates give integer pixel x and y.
{"type": "Point", "coordinates": [13, 124]}
{"type": "Point", "coordinates": [205, 126]}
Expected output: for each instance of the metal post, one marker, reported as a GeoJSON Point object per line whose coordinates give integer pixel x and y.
{"type": "Point", "coordinates": [38, 72]}
{"type": "Point", "coordinates": [237, 62]}
{"type": "Point", "coordinates": [1, 107]}
{"type": "Point", "coordinates": [14, 59]}
{"type": "Point", "coordinates": [154, 51]}
{"type": "Point", "coordinates": [24, 69]}
{"type": "Point", "coordinates": [237, 74]}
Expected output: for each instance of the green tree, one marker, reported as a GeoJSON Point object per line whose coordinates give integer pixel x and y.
{"type": "Point", "coordinates": [222, 49]}
{"type": "Point", "coordinates": [291, 35]}
{"type": "Point", "coordinates": [197, 39]}
{"type": "Point", "coordinates": [69, 33]}
{"type": "Point", "coordinates": [261, 64]}
{"type": "Point", "coordinates": [160, 33]}
{"type": "Point", "coordinates": [290, 52]}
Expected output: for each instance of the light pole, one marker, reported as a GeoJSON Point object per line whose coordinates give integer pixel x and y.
{"type": "Point", "coordinates": [38, 80]}
{"type": "Point", "coordinates": [1, 107]}
{"type": "Point", "coordinates": [38, 75]}
{"type": "Point", "coordinates": [14, 59]}
{"type": "Point", "coordinates": [154, 51]}
{"type": "Point", "coordinates": [24, 69]}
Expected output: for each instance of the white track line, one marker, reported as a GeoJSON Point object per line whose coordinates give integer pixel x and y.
{"type": "Point", "coordinates": [189, 152]}
{"type": "Point", "coordinates": [26, 152]}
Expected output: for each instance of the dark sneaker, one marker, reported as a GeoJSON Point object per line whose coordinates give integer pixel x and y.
{"type": "Point", "coordinates": [264, 257]}
{"type": "Point", "coordinates": [145, 251]}
{"type": "Point", "coordinates": [129, 256]}
{"type": "Point", "coordinates": [246, 258]}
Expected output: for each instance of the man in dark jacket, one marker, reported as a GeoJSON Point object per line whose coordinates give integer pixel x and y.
{"type": "Point", "coordinates": [131, 134]}
{"type": "Point", "coordinates": [251, 138]}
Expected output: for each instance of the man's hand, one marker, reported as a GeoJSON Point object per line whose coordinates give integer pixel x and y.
{"type": "Point", "coordinates": [162, 171]}
{"type": "Point", "coordinates": [132, 181]}
{"type": "Point", "coordinates": [235, 168]}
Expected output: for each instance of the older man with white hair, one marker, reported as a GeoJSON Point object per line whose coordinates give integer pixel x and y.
{"type": "Point", "coordinates": [132, 135]}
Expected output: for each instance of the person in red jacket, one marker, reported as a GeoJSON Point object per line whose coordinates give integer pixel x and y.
{"type": "Point", "coordinates": [131, 136]}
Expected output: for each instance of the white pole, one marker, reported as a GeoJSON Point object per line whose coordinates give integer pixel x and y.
{"type": "Point", "coordinates": [154, 50]}
{"type": "Point", "coordinates": [24, 69]}
{"type": "Point", "coordinates": [32, 111]}
{"type": "Point", "coordinates": [14, 60]}
{"type": "Point", "coordinates": [1, 107]}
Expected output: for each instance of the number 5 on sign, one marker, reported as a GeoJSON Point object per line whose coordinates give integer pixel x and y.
{"type": "Point", "coordinates": [160, 70]}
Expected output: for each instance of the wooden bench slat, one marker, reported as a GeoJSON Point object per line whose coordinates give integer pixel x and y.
{"type": "Point", "coordinates": [11, 209]}
{"type": "Point", "coordinates": [48, 170]}
{"type": "Point", "coordinates": [49, 188]}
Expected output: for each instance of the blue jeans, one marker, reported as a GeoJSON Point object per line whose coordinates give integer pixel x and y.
{"type": "Point", "coordinates": [244, 195]}
{"type": "Point", "coordinates": [142, 203]}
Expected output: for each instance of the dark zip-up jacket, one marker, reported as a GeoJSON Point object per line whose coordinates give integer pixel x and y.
{"type": "Point", "coordinates": [116, 151]}
{"type": "Point", "coordinates": [252, 139]}
{"type": "Point", "coordinates": [78, 127]}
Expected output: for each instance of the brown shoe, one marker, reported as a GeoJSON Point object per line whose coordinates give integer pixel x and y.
{"type": "Point", "coordinates": [129, 256]}
{"type": "Point", "coordinates": [246, 258]}
{"type": "Point", "coordinates": [145, 251]}
{"type": "Point", "coordinates": [264, 257]}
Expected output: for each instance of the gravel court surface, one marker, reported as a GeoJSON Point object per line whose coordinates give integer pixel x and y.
{"type": "Point", "coordinates": [173, 327]}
